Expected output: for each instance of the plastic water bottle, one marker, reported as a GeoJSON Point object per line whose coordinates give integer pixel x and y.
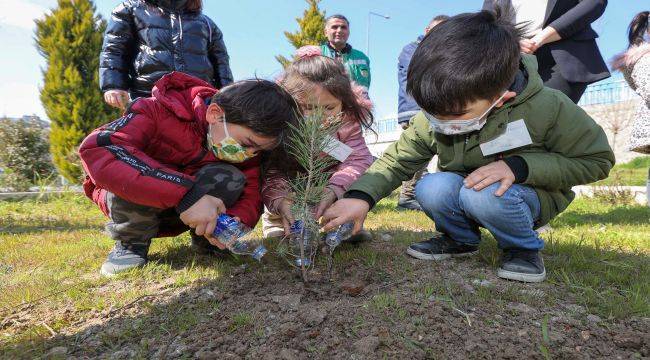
{"type": "Point", "coordinates": [344, 232]}
{"type": "Point", "coordinates": [297, 230]}
{"type": "Point", "coordinates": [230, 231]}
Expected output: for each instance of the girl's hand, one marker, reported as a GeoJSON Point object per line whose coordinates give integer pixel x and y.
{"type": "Point", "coordinates": [328, 199]}
{"type": "Point", "coordinates": [287, 217]}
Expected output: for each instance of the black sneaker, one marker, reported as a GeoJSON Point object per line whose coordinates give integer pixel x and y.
{"type": "Point", "coordinates": [202, 246]}
{"type": "Point", "coordinates": [123, 257]}
{"type": "Point", "coordinates": [440, 247]}
{"type": "Point", "coordinates": [522, 265]}
{"type": "Point", "coordinates": [408, 204]}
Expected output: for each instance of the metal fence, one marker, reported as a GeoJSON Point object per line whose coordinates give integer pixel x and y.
{"type": "Point", "coordinates": [608, 92]}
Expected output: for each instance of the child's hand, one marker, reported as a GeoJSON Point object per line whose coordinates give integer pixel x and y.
{"type": "Point", "coordinates": [117, 98]}
{"type": "Point", "coordinates": [344, 211]}
{"type": "Point", "coordinates": [329, 197]}
{"type": "Point", "coordinates": [287, 217]}
{"type": "Point", "coordinates": [202, 216]}
{"type": "Point", "coordinates": [487, 175]}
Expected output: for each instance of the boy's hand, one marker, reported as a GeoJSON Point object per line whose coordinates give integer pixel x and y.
{"type": "Point", "coordinates": [487, 175]}
{"type": "Point", "coordinates": [117, 98]}
{"type": "Point", "coordinates": [212, 240]}
{"type": "Point", "coordinates": [287, 217]}
{"type": "Point", "coordinates": [344, 211]}
{"type": "Point", "coordinates": [202, 216]}
{"type": "Point", "coordinates": [329, 197]}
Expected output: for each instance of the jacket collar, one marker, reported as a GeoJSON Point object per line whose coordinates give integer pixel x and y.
{"type": "Point", "coordinates": [549, 9]}
{"type": "Point", "coordinates": [171, 5]}
{"type": "Point", "coordinates": [346, 50]}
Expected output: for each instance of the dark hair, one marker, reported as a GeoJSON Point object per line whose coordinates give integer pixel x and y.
{"type": "Point", "coordinates": [194, 5]}
{"type": "Point", "coordinates": [261, 105]}
{"type": "Point", "coordinates": [337, 16]}
{"type": "Point", "coordinates": [638, 27]}
{"type": "Point", "coordinates": [468, 57]}
{"type": "Point", "coordinates": [300, 77]}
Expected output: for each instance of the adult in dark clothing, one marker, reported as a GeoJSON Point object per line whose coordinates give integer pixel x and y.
{"type": "Point", "coordinates": [146, 39]}
{"type": "Point", "coordinates": [406, 109]}
{"type": "Point", "coordinates": [559, 33]}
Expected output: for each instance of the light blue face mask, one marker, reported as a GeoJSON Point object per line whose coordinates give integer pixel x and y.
{"type": "Point", "coordinates": [458, 127]}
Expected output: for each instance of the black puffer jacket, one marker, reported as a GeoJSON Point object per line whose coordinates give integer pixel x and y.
{"type": "Point", "coordinates": [146, 39]}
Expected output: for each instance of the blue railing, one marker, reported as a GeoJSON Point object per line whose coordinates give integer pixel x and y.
{"type": "Point", "coordinates": [609, 92]}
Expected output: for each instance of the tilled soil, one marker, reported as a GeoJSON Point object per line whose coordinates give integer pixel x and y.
{"type": "Point", "coordinates": [389, 306]}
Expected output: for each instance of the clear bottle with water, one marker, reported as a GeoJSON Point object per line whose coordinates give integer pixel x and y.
{"type": "Point", "coordinates": [230, 232]}
{"type": "Point", "coordinates": [334, 238]}
{"type": "Point", "coordinates": [297, 230]}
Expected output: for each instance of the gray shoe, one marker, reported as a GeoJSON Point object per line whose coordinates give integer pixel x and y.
{"type": "Point", "coordinates": [123, 257]}
{"type": "Point", "coordinates": [408, 204]}
{"type": "Point", "coordinates": [522, 265]}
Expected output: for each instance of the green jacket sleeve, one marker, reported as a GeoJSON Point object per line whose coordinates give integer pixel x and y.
{"type": "Point", "coordinates": [577, 152]}
{"type": "Point", "coordinates": [400, 161]}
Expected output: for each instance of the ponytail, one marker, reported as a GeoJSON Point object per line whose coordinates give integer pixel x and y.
{"type": "Point", "coordinates": [638, 27]}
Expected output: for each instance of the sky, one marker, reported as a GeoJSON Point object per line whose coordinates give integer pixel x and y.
{"type": "Point", "coordinates": [253, 32]}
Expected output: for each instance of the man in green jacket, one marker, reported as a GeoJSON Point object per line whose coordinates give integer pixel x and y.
{"type": "Point", "coordinates": [337, 30]}
{"type": "Point", "coordinates": [509, 149]}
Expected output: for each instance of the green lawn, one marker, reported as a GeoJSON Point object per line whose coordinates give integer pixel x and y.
{"type": "Point", "coordinates": [633, 173]}
{"type": "Point", "coordinates": [50, 253]}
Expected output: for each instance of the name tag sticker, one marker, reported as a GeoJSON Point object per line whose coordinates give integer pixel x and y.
{"type": "Point", "coordinates": [337, 149]}
{"type": "Point", "coordinates": [516, 135]}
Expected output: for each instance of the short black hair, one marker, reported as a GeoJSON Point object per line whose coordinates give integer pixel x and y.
{"type": "Point", "coordinates": [261, 105]}
{"type": "Point", "coordinates": [468, 57]}
{"type": "Point", "coordinates": [337, 16]}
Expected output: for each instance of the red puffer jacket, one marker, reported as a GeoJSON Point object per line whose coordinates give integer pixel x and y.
{"type": "Point", "coordinates": [150, 155]}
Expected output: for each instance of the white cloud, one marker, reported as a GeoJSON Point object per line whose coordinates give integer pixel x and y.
{"type": "Point", "coordinates": [19, 98]}
{"type": "Point", "coordinates": [20, 13]}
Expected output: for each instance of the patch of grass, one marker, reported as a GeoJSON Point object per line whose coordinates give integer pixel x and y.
{"type": "Point", "coordinates": [240, 320]}
{"type": "Point", "coordinates": [384, 302]}
{"type": "Point", "coordinates": [633, 173]}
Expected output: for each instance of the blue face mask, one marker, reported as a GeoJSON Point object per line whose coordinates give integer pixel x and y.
{"type": "Point", "coordinates": [458, 127]}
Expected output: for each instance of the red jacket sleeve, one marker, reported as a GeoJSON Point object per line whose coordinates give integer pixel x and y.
{"type": "Point", "coordinates": [114, 158]}
{"type": "Point", "coordinates": [249, 206]}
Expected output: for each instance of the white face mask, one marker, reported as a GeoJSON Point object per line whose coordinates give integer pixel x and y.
{"type": "Point", "coordinates": [457, 127]}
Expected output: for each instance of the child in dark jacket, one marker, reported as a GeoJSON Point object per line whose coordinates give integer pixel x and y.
{"type": "Point", "coordinates": [180, 158]}
{"type": "Point", "coordinates": [146, 39]}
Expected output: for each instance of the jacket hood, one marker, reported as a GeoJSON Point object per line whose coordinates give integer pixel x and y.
{"type": "Point", "coordinates": [527, 82]}
{"type": "Point", "coordinates": [170, 5]}
{"type": "Point", "coordinates": [630, 57]}
{"type": "Point", "coordinates": [183, 95]}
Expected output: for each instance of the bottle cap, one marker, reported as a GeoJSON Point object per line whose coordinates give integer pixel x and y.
{"type": "Point", "coordinates": [259, 252]}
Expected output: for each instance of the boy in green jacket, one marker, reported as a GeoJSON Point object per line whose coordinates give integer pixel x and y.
{"type": "Point", "coordinates": [509, 149]}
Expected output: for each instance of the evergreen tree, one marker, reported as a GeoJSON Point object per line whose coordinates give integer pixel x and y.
{"type": "Point", "coordinates": [311, 31]}
{"type": "Point", "coordinates": [70, 39]}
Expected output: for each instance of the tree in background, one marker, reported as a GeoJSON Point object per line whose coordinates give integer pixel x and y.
{"type": "Point", "coordinates": [311, 30]}
{"type": "Point", "coordinates": [70, 39]}
{"type": "Point", "coordinates": [25, 158]}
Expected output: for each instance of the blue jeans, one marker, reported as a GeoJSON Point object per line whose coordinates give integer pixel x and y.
{"type": "Point", "coordinates": [459, 211]}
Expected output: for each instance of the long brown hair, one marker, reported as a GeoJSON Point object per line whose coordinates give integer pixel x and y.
{"type": "Point", "coordinates": [638, 28]}
{"type": "Point", "coordinates": [300, 77]}
{"type": "Point", "coordinates": [194, 5]}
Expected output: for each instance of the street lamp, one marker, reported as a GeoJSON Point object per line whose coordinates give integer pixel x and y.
{"type": "Point", "coordinates": [371, 13]}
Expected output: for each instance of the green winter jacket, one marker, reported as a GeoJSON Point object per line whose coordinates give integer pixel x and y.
{"type": "Point", "coordinates": [356, 63]}
{"type": "Point", "coordinates": [568, 148]}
